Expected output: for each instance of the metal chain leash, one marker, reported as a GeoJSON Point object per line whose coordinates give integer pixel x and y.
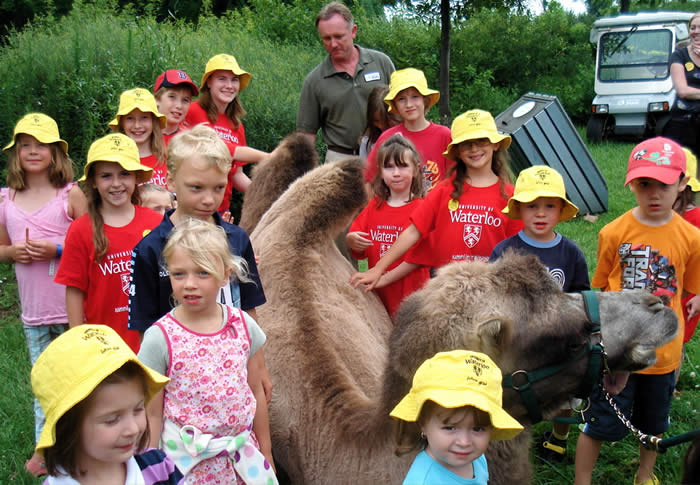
{"type": "Point", "coordinates": [649, 442]}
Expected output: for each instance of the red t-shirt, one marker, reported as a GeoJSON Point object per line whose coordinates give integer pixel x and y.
{"type": "Point", "coordinates": [692, 216]}
{"type": "Point", "coordinates": [105, 284]}
{"type": "Point", "coordinates": [384, 224]}
{"type": "Point", "coordinates": [467, 232]}
{"type": "Point", "coordinates": [232, 136]}
{"type": "Point", "coordinates": [160, 172]}
{"type": "Point", "coordinates": [430, 143]}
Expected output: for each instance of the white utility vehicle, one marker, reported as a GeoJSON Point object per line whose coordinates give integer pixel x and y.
{"type": "Point", "coordinates": [633, 87]}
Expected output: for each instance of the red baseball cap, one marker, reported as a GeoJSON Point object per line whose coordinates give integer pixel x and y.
{"type": "Point", "coordinates": [657, 158]}
{"type": "Point", "coordinates": [173, 78]}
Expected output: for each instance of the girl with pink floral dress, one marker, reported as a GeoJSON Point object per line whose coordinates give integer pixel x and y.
{"type": "Point", "coordinates": [208, 415]}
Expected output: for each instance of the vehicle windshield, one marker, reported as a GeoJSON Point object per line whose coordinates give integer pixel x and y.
{"type": "Point", "coordinates": [634, 55]}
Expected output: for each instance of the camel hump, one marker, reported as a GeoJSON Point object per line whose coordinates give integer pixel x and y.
{"type": "Point", "coordinates": [319, 205]}
{"type": "Point", "coordinates": [294, 157]}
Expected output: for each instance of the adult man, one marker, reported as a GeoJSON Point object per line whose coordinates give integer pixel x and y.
{"type": "Point", "coordinates": [334, 95]}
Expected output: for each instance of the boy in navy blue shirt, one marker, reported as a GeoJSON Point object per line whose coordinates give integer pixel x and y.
{"type": "Point", "coordinates": [540, 201]}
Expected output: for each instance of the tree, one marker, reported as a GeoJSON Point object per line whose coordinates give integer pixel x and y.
{"type": "Point", "coordinates": [447, 12]}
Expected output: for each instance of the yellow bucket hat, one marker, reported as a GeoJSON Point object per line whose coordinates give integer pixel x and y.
{"type": "Point", "coordinates": [539, 181]}
{"type": "Point", "coordinates": [41, 127]}
{"type": "Point", "coordinates": [456, 379]}
{"type": "Point", "coordinates": [410, 78]}
{"type": "Point", "coordinates": [691, 170]}
{"type": "Point", "coordinates": [225, 62]}
{"type": "Point", "coordinates": [117, 148]}
{"type": "Point", "coordinates": [472, 125]}
{"type": "Point", "coordinates": [73, 365]}
{"type": "Point", "coordinates": [137, 98]}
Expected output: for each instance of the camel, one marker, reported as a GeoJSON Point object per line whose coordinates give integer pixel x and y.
{"type": "Point", "coordinates": [339, 365]}
{"type": "Point", "coordinates": [294, 156]}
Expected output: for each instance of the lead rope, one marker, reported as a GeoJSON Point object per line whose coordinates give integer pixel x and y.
{"type": "Point", "coordinates": [650, 442]}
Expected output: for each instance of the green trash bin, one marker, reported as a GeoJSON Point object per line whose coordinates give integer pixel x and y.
{"type": "Point", "coordinates": [544, 135]}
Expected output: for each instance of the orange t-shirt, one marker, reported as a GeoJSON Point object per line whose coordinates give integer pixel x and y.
{"type": "Point", "coordinates": [662, 259]}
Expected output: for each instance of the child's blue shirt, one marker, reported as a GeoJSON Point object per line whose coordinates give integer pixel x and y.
{"type": "Point", "coordinates": [562, 257]}
{"type": "Point", "coordinates": [426, 471]}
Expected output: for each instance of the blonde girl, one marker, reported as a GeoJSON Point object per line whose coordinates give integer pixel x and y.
{"type": "Point", "coordinates": [209, 352]}
{"type": "Point", "coordinates": [139, 119]}
{"type": "Point", "coordinates": [36, 209]}
{"type": "Point", "coordinates": [453, 410]}
{"type": "Point", "coordinates": [398, 186]}
{"type": "Point", "coordinates": [94, 392]}
{"type": "Point", "coordinates": [461, 217]}
{"type": "Point", "coordinates": [219, 106]}
{"type": "Point", "coordinates": [96, 262]}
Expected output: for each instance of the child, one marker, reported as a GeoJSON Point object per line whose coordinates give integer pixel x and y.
{"type": "Point", "coordinates": [208, 350]}
{"type": "Point", "coordinates": [685, 206]}
{"type": "Point", "coordinates": [156, 198]}
{"type": "Point", "coordinates": [540, 202]}
{"type": "Point", "coordinates": [635, 251]}
{"type": "Point", "coordinates": [410, 97]}
{"type": "Point", "coordinates": [461, 218]}
{"type": "Point", "coordinates": [35, 211]}
{"type": "Point", "coordinates": [198, 165]}
{"type": "Point", "coordinates": [378, 120]}
{"type": "Point", "coordinates": [94, 392]}
{"type": "Point", "coordinates": [219, 106]}
{"type": "Point", "coordinates": [398, 187]}
{"type": "Point", "coordinates": [174, 91]}
{"type": "Point", "coordinates": [95, 265]}
{"type": "Point", "coordinates": [451, 412]}
{"type": "Point", "coordinates": [139, 119]}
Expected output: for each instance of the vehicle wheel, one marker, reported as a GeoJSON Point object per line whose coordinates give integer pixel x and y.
{"type": "Point", "coordinates": [595, 130]}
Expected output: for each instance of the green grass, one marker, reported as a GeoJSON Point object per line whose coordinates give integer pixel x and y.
{"type": "Point", "coordinates": [618, 461]}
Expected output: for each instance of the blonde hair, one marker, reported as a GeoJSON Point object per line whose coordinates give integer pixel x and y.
{"type": "Point", "coordinates": [202, 142]}
{"type": "Point", "coordinates": [206, 244]}
{"type": "Point", "coordinates": [60, 169]}
{"type": "Point", "coordinates": [157, 143]}
{"type": "Point", "coordinates": [408, 435]}
{"type": "Point", "coordinates": [99, 239]}
{"type": "Point", "coordinates": [395, 149]}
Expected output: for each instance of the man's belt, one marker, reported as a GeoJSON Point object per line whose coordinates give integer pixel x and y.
{"type": "Point", "coordinates": [343, 150]}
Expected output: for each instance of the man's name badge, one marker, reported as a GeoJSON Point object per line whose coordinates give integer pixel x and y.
{"type": "Point", "coordinates": [372, 76]}
{"type": "Point", "coordinates": [453, 205]}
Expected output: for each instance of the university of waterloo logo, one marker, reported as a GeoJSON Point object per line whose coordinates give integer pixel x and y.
{"type": "Point", "coordinates": [126, 281]}
{"type": "Point", "coordinates": [471, 234]}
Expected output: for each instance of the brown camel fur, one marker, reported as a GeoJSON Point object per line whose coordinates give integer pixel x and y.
{"type": "Point", "coordinates": [338, 366]}
{"type": "Point", "coordinates": [293, 157]}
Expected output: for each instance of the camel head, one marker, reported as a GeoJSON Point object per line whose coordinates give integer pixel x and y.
{"type": "Point", "coordinates": [515, 312]}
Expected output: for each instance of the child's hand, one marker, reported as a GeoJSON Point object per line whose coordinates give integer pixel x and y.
{"type": "Point", "coordinates": [227, 217]}
{"type": "Point", "coordinates": [19, 254]}
{"type": "Point", "coordinates": [693, 306]}
{"type": "Point", "coordinates": [357, 241]}
{"type": "Point", "coordinates": [368, 278]}
{"type": "Point", "coordinates": [40, 250]}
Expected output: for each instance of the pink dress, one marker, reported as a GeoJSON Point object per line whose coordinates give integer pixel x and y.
{"type": "Point", "coordinates": [43, 301]}
{"type": "Point", "coordinates": [209, 388]}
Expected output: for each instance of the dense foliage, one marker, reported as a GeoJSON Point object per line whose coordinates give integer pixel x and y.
{"type": "Point", "coordinates": [74, 68]}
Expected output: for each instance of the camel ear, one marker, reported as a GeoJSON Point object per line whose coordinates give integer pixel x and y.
{"type": "Point", "coordinates": [494, 335]}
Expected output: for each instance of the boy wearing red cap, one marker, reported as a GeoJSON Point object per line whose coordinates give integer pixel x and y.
{"type": "Point", "coordinates": [649, 247]}
{"type": "Point", "coordinates": [174, 91]}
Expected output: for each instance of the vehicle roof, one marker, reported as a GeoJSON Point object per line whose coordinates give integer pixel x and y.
{"type": "Point", "coordinates": [642, 18]}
